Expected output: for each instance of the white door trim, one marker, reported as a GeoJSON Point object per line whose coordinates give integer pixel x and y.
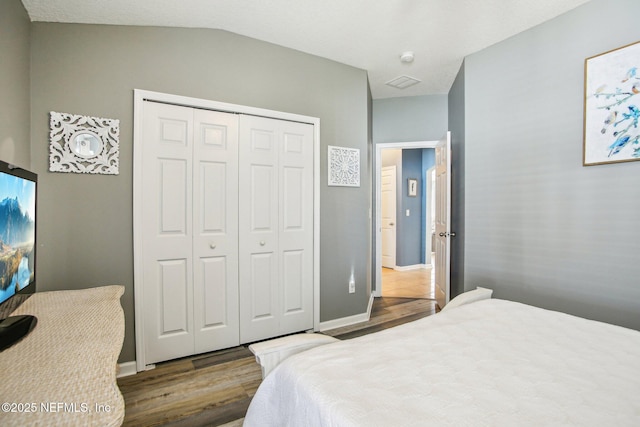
{"type": "Point", "coordinates": [429, 201]}
{"type": "Point", "coordinates": [376, 219]}
{"type": "Point", "coordinates": [143, 95]}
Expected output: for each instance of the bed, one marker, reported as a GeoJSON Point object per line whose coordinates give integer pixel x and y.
{"type": "Point", "coordinates": [488, 363]}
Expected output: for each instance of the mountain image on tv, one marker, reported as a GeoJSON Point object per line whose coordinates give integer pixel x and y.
{"type": "Point", "coordinates": [17, 236]}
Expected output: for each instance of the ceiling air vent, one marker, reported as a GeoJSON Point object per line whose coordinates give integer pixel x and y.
{"type": "Point", "coordinates": [402, 82]}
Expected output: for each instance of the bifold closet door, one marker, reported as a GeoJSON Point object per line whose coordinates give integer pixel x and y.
{"type": "Point", "coordinates": [189, 244]}
{"type": "Point", "coordinates": [215, 232]}
{"type": "Point", "coordinates": [276, 227]}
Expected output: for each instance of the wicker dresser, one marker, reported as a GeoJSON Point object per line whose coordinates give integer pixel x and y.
{"type": "Point", "coordinates": [64, 372]}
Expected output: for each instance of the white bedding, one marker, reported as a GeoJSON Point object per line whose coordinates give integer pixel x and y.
{"type": "Point", "coordinates": [490, 363]}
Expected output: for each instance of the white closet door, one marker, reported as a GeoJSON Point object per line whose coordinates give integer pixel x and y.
{"type": "Point", "coordinates": [258, 237]}
{"type": "Point", "coordinates": [276, 227]}
{"type": "Point", "coordinates": [167, 229]}
{"type": "Point", "coordinates": [296, 227]}
{"type": "Point", "coordinates": [215, 233]}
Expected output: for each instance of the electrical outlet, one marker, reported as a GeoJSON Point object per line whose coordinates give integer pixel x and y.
{"type": "Point", "coordinates": [352, 286]}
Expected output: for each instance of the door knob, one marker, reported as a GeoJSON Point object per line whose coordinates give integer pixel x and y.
{"type": "Point", "coordinates": [443, 234]}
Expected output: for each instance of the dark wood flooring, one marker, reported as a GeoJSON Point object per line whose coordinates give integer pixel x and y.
{"type": "Point", "coordinates": [214, 389]}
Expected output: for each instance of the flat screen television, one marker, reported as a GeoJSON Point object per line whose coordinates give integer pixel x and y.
{"type": "Point", "coordinates": [17, 250]}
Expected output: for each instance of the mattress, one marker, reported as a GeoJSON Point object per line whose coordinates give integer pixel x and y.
{"type": "Point", "coordinates": [489, 363]}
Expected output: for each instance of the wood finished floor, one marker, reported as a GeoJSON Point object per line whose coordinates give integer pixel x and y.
{"type": "Point", "coordinates": [419, 283]}
{"type": "Point", "coordinates": [215, 389]}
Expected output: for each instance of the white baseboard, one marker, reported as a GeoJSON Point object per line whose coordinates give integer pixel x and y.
{"type": "Point", "coordinates": [411, 267]}
{"type": "Point", "coordinates": [129, 368]}
{"type": "Point", "coordinates": [349, 320]}
{"type": "Point", "coordinates": [126, 369]}
{"type": "Point", "coordinates": [370, 306]}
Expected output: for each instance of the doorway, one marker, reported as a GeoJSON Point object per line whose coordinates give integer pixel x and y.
{"type": "Point", "coordinates": [413, 275]}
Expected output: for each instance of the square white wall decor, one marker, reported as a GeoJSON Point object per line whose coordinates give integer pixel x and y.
{"type": "Point", "coordinates": [83, 144]}
{"type": "Point", "coordinates": [344, 166]}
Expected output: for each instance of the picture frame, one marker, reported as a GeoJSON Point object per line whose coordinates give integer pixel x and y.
{"type": "Point", "coordinates": [412, 187]}
{"type": "Point", "coordinates": [612, 107]}
{"type": "Point", "coordinates": [344, 166]}
{"type": "Point", "coordinates": [83, 144]}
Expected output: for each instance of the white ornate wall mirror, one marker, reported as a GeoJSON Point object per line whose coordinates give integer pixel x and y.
{"type": "Point", "coordinates": [83, 144]}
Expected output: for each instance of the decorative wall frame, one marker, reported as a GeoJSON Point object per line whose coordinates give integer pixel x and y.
{"type": "Point", "coordinates": [344, 166]}
{"type": "Point", "coordinates": [412, 187]}
{"type": "Point", "coordinates": [611, 107]}
{"type": "Point", "coordinates": [83, 144]}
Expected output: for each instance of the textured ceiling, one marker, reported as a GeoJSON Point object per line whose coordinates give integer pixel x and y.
{"type": "Point", "coordinates": [361, 33]}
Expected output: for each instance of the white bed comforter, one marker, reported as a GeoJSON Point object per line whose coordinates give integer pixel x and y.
{"type": "Point", "coordinates": [490, 363]}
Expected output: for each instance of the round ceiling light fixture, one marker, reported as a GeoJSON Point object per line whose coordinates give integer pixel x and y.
{"type": "Point", "coordinates": [406, 57]}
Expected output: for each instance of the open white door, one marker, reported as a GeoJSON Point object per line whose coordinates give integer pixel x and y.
{"type": "Point", "coordinates": [443, 220]}
{"type": "Point", "coordinates": [388, 202]}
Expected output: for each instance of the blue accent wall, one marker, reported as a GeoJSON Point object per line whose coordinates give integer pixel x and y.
{"type": "Point", "coordinates": [408, 235]}
{"type": "Point", "coordinates": [411, 229]}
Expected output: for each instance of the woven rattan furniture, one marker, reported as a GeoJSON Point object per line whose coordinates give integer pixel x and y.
{"type": "Point", "coordinates": [64, 372]}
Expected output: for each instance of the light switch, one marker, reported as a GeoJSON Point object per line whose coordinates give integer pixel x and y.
{"type": "Point", "coordinates": [408, 212]}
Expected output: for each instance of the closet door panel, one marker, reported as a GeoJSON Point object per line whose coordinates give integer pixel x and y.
{"type": "Point", "coordinates": [296, 226]}
{"type": "Point", "coordinates": [258, 237]}
{"type": "Point", "coordinates": [293, 293]}
{"type": "Point", "coordinates": [262, 269]}
{"type": "Point", "coordinates": [173, 309]}
{"type": "Point", "coordinates": [166, 247]}
{"type": "Point", "coordinates": [173, 197]}
{"type": "Point", "coordinates": [215, 243]}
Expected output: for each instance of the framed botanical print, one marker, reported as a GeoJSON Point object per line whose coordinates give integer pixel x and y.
{"type": "Point", "coordinates": [612, 106]}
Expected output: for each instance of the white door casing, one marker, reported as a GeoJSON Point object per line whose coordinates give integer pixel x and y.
{"type": "Point", "coordinates": [443, 221]}
{"type": "Point", "coordinates": [378, 205]}
{"type": "Point", "coordinates": [276, 227]}
{"type": "Point", "coordinates": [388, 217]}
{"type": "Point", "coordinates": [429, 217]}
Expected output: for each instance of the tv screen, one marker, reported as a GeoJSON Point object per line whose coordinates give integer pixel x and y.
{"type": "Point", "coordinates": [17, 232]}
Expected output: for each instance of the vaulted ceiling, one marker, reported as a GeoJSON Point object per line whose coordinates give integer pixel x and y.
{"type": "Point", "coordinates": [367, 34]}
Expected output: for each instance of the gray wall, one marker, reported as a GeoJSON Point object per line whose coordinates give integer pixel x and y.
{"type": "Point", "coordinates": [411, 118]}
{"type": "Point", "coordinates": [457, 127]}
{"type": "Point", "coordinates": [539, 227]}
{"type": "Point", "coordinates": [14, 84]}
{"type": "Point", "coordinates": [85, 233]}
